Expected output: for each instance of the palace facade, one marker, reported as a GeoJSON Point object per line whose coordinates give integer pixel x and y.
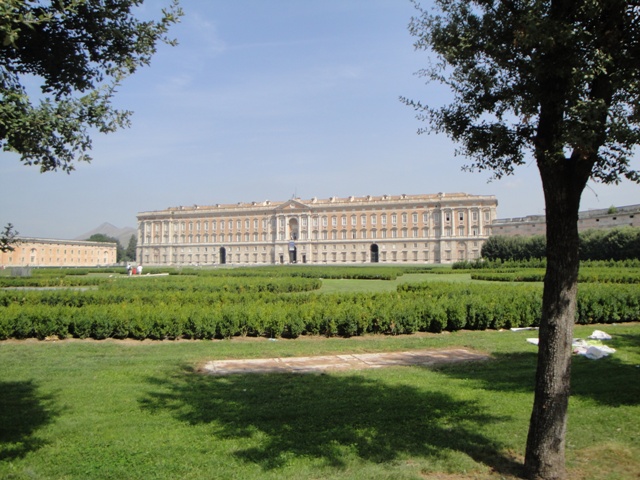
{"type": "Point", "coordinates": [42, 252]}
{"type": "Point", "coordinates": [437, 228]}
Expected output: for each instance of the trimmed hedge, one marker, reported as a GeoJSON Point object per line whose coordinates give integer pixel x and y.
{"type": "Point", "coordinates": [431, 307]}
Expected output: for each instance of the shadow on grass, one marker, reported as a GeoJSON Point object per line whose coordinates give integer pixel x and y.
{"type": "Point", "coordinates": [608, 380]}
{"type": "Point", "coordinates": [22, 412]}
{"type": "Point", "coordinates": [322, 416]}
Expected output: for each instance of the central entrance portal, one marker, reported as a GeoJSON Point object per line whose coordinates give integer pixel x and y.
{"type": "Point", "coordinates": [293, 253]}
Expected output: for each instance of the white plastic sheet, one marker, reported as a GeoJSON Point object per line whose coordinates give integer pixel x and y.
{"type": "Point", "coordinates": [592, 348]}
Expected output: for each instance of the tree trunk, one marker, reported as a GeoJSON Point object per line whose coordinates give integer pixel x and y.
{"type": "Point", "coordinates": [545, 453]}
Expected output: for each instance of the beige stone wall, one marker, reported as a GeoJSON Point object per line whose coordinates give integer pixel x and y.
{"type": "Point", "coordinates": [439, 228]}
{"type": "Point", "coordinates": [592, 219]}
{"type": "Point", "coordinates": [35, 252]}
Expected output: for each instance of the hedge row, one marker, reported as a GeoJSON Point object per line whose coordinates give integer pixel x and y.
{"type": "Point", "coordinates": [153, 290]}
{"type": "Point", "coordinates": [432, 307]}
{"type": "Point", "coordinates": [587, 275]}
{"type": "Point", "coordinates": [619, 243]}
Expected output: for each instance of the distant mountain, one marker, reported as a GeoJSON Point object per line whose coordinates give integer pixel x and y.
{"type": "Point", "coordinates": [122, 234]}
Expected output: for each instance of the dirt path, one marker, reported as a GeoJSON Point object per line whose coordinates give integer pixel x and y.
{"type": "Point", "coordinates": [358, 361]}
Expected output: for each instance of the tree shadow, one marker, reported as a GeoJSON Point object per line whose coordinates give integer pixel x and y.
{"type": "Point", "coordinates": [319, 416]}
{"type": "Point", "coordinates": [23, 411]}
{"type": "Point", "coordinates": [599, 380]}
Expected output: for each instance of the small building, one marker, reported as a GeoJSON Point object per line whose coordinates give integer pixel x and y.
{"type": "Point", "coordinates": [42, 252]}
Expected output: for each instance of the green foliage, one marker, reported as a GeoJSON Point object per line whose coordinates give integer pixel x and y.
{"type": "Point", "coordinates": [208, 306]}
{"type": "Point", "coordinates": [130, 251]}
{"type": "Point", "coordinates": [8, 238]}
{"type": "Point", "coordinates": [78, 52]}
{"type": "Point", "coordinates": [612, 244]}
{"type": "Point", "coordinates": [621, 243]}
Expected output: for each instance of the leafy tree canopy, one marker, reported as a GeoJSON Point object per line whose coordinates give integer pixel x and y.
{"type": "Point", "coordinates": [8, 239]}
{"type": "Point", "coordinates": [506, 61]}
{"type": "Point", "coordinates": [78, 51]}
{"type": "Point", "coordinates": [558, 80]}
{"type": "Point", "coordinates": [101, 237]}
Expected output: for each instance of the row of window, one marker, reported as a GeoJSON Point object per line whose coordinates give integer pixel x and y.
{"type": "Point", "coordinates": [315, 235]}
{"type": "Point", "coordinates": [317, 221]}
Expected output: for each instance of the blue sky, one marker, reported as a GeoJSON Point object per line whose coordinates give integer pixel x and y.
{"type": "Point", "coordinates": [266, 100]}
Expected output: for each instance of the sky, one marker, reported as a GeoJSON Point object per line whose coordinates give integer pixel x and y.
{"type": "Point", "coordinates": [267, 101]}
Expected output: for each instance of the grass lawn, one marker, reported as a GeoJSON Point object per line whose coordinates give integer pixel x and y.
{"type": "Point", "coordinates": [139, 410]}
{"type": "Point", "coordinates": [330, 285]}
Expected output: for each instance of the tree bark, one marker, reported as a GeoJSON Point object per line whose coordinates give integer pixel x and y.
{"type": "Point", "coordinates": [545, 452]}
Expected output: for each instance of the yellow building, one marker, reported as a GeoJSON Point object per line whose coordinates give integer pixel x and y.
{"type": "Point", "coordinates": [437, 228]}
{"type": "Point", "coordinates": [41, 252]}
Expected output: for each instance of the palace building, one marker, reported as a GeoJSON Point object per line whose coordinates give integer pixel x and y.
{"type": "Point", "coordinates": [435, 228]}
{"type": "Point", "coordinates": [43, 252]}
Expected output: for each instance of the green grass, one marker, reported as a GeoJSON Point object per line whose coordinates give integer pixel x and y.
{"type": "Point", "coordinates": [330, 285]}
{"type": "Point", "coordinates": [139, 410]}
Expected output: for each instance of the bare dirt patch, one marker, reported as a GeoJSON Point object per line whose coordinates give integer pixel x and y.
{"type": "Point", "coordinates": [359, 361]}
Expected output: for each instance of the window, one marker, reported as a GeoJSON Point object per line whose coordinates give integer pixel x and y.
{"type": "Point", "coordinates": [474, 216]}
{"type": "Point", "coordinates": [461, 216]}
{"type": "Point", "coordinates": [383, 219]}
{"type": "Point", "coordinates": [334, 221]}
{"type": "Point", "coordinates": [324, 221]}
{"type": "Point", "coordinates": [304, 221]}
{"type": "Point", "coordinates": [404, 218]}
{"type": "Point", "coordinates": [246, 224]}
{"type": "Point", "coordinates": [344, 220]}
{"type": "Point", "coordinates": [238, 224]}
{"type": "Point", "coordinates": [414, 218]}
{"type": "Point", "coordinates": [394, 219]}
{"type": "Point", "coordinates": [255, 223]}
{"type": "Point", "coordinates": [373, 219]}
{"type": "Point", "coordinates": [415, 232]}
{"type": "Point", "coordinates": [461, 231]}
{"type": "Point", "coordinates": [447, 217]}
{"type": "Point", "coordinates": [363, 220]}
{"type": "Point", "coordinates": [222, 225]}
{"type": "Point", "coordinates": [354, 220]}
